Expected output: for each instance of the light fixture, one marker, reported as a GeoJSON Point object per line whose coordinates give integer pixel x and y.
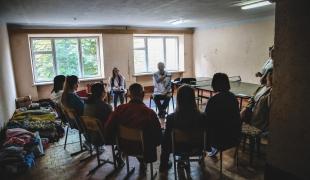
{"type": "Point", "coordinates": [256, 5]}
{"type": "Point", "coordinates": [176, 21]}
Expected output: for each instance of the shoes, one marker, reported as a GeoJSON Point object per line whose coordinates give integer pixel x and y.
{"type": "Point", "coordinates": [212, 153]}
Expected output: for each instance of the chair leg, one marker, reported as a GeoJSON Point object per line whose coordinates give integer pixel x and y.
{"type": "Point", "coordinates": [221, 164]}
{"type": "Point", "coordinates": [66, 137]}
{"type": "Point", "coordinates": [80, 137]}
{"type": "Point", "coordinates": [100, 162]}
{"type": "Point", "coordinates": [243, 143]}
{"type": "Point", "coordinates": [113, 156]}
{"type": "Point", "coordinates": [236, 156]}
{"type": "Point", "coordinates": [81, 145]}
{"type": "Point", "coordinates": [129, 173]}
{"type": "Point", "coordinates": [258, 139]}
{"type": "Point", "coordinates": [175, 168]}
{"type": "Point", "coordinates": [153, 176]}
{"type": "Point", "coordinates": [252, 146]}
{"type": "Point", "coordinates": [127, 164]}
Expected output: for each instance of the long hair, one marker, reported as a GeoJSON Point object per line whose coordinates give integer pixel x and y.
{"type": "Point", "coordinates": [58, 83]}
{"type": "Point", "coordinates": [70, 82]}
{"type": "Point", "coordinates": [115, 76]}
{"type": "Point", "coordinates": [113, 72]}
{"type": "Point", "coordinates": [186, 103]}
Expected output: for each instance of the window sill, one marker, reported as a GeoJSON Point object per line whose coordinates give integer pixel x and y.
{"type": "Point", "coordinates": [148, 74]}
{"type": "Point", "coordinates": [81, 80]}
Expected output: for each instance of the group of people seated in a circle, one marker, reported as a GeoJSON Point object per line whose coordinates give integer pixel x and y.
{"type": "Point", "coordinates": [221, 119]}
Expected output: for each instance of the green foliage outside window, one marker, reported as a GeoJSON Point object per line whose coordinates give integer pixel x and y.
{"type": "Point", "coordinates": [73, 56]}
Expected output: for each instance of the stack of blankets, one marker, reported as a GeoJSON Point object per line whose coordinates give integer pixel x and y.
{"type": "Point", "coordinates": [19, 150]}
{"type": "Point", "coordinates": [41, 119]}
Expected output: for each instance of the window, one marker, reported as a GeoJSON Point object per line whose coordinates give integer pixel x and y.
{"type": "Point", "coordinates": [66, 55]}
{"type": "Point", "coordinates": [150, 50]}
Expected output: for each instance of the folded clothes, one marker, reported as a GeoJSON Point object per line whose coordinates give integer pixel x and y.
{"type": "Point", "coordinates": [17, 132]}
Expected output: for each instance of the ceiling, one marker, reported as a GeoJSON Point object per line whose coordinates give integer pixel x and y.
{"type": "Point", "coordinates": [138, 13]}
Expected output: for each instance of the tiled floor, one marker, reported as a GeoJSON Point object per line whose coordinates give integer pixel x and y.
{"type": "Point", "coordinates": [58, 164]}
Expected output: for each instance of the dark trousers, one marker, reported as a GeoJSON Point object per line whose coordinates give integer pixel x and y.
{"type": "Point", "coordinates": [162, 106]}
{"type": "Point", "coordinates": [118, 95]}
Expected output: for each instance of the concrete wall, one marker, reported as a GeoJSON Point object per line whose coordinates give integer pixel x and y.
{"type": "Point", "coordinates": [7, 83]}
{"type": "Point", "coordinates": [118, 52]}
{"type": "Point", "coordinates": [236, 49]}
{"type": "Point", "coordinates": [289, 148]}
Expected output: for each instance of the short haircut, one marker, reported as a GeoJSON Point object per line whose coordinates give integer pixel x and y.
{"type": "Point", "coordinates": [135, 89]}
{"type": "Point", "coordinates": [220, 82]}
{"type": "Point", "coordinates": [97, 89]}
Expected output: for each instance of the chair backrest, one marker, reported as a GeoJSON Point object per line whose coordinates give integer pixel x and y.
{"type": "Point", "coordinates": [188, 80]}
{"type": "Point", "coordinates": [191, 142]}
{"type": "Point", "coordinates": [73, 119]}
{"type": "Point", "coordinates": [130, 141]}
{"type": "Point", "coordinates": [235, 79]}
{"type": "Point", "coordinates": [93, 129]}
{"type": "Point", "coordinates": [60, 112]}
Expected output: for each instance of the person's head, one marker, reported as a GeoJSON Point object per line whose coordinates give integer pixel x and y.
{"type": "Point", "coordinates": [269, 78]}
{"type": "Point", "coordinates": [271, 52]}
{"type": "Point", "coordinates": [58, 83]}
{"type": "Point", "coordinates": [71, 83]}
{"type": "Point", "coordinates": [220, 82]}
{"type": "Point", "coordinates": [115, 72]}
{"type": "Point", "coordinates": [98, 91]}
{"type": "Point", "coordinates": [161, 66]}
{"type": "Point", "coordinates": [136, 91]}
{"type": "Point", "coordinates": [186, 99]}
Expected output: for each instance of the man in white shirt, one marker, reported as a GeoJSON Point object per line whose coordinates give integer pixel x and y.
{"type": "Point", "coordinates": [162, 89]}
{"type": "Point", "coordinates": [267, 66]}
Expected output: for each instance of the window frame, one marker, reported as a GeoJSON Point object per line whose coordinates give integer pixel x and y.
{"type": "Point", "coordinates": [164, 37]}
{"type": "Point", "coordinates": [52, 38]}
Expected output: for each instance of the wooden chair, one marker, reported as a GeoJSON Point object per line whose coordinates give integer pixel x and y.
{"type": "Point", "coordinates": [134, 136]}
{"type": "Point", "coordinates": [94, 130]}
{"type": "Point", "coordinates": [236, 158]}
{"type": "Point", "coordinates": [71, 117]}
{"type": "Point", "coordinates": [187, 144]}
{"type": "Point", "coordinates": [254, 136]}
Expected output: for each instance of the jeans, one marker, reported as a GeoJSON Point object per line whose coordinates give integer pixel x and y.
{"type": "Point", "coordinates": [118, 95]}
{"type": "Point", "coordinates": [162, 106]}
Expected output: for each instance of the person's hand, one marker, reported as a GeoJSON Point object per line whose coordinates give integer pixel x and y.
{"type": "Point", "coordinates": [162, 77]}
{"type": "Point", "coordinates": [258, 74]}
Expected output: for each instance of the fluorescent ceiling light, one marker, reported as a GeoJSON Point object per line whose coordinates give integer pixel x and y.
{"type": "Point", "coordinates": [256, 5]}
{"type": "Point", "coordinates": [176, 21]}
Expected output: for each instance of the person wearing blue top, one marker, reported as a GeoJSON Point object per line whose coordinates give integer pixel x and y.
{"type": "Point", "coordinates": [69, 98]}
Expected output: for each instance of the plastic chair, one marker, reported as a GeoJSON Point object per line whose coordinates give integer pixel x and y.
{"type": "Point", "coordinates": [135, 136]}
